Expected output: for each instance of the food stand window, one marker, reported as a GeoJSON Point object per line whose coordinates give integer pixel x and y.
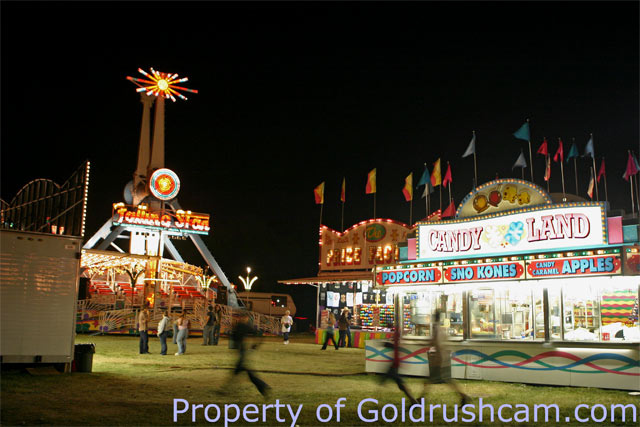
{"type": "Point", "coordinates": [507, 312]}
{"type": "Point", "coordinates": [420, 306]}
{"type": "Point", "coordinates": [600, 309]}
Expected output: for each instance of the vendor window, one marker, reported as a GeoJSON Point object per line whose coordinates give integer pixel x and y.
{"type": "Point", "coordinates": [506, 313]}
{"type": "Point", "coordinates": [420, 308]}
{"type": "Point", "coordinates": [602, 309]}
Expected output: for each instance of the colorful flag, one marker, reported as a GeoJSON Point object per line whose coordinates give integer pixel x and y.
{"type": "Point", "coordinates": [426, 181]}
{"type": "Point", "coordinates": [450, 211]}
{"type": "Point", "coordinates": [408, 188]}
{"type": "Point", "coordinates": [520, 163]}
{"type": "Point", "coordinates": [559, 152]}
{"type": "Point", "coordinates": [601, 172]}
{"type": "Point", "coordinates": [523, 132]}
{"type": "Point", "coordinates": [588, 150]}
{"type": "Point", "coordinates": [471, 149]}
{"type": "Point", "coordinates": [543, 148]}
{"type": "Point", "coordinates": [319, 193]}
{"type": "Point", "coordinates": [447, 176]}
{"type": "Point", "coordinates": [343, 190]}
{"type": "Point", "coordinates": [631, 169]}
{"type": "Point", "coordinates": [591, 185]}
{"type": "Point", "coordinates": [371, 182]}
{"type": "Point", "coordinates": [547, 170]}
{"type": "Point", "coordinates": [573, 151]}
{"type": "Point", "coordinates": [436, 175]}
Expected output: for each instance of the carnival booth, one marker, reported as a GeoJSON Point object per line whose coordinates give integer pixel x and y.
{"type": "Point", "coordinates": [345, 278]}
{"type": "Point", "coordinates": [529, 290]}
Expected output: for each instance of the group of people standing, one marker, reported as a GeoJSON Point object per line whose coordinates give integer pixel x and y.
{"type": "Point", "coordinates": [181, 325]}
{"type": "Point", "coordinates": [344, 329]}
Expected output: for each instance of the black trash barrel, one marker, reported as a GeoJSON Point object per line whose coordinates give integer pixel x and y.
{"type": "Point", "coordinates": [83, 356]}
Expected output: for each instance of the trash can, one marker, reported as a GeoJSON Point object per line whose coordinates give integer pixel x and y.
{"type": "Point", "coordinates": [83, 357]}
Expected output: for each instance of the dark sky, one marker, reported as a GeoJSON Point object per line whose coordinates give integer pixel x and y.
{"type": "Point", "coordinates": [293, 94]}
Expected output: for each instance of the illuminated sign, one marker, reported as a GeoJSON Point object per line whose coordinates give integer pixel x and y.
{"type": "Point", "coordinates": [164, 184]}
{"type": "Point", "coordinates": [502, 195]}
{"type": "Point", "coordinates": [183, 222]}
{"type": "Point", "coordinates": [579, 266]}
{"type": "Point", "coordinates": [410, 276]}
{"type": "Point", "coordinates": [363, 246]}
{"type": "Point", "coordinates": [565, 226]}
{"type": "Point", "coordinates": [493, 271]}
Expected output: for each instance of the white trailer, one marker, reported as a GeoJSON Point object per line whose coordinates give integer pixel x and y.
{"type": "Point", "coordinates": [38, 295]}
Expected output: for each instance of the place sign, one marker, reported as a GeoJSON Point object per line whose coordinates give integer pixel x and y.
{"type": "Point", "coordinates": [180, 221]}
{"type": "Point", "coordinates": [576, 266]}
{"type": "Point", "coordinates": [410, 276]}
{"type": "Point", "coordinates": [513, 270]}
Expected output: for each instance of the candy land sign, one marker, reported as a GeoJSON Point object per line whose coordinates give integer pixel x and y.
{"type": "Point", "coordinates": [562, 226]}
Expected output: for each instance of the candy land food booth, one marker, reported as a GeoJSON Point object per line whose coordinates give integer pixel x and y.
{"type": "Point", "coordinates": [528, 290]}
{"type": "Point", "coordinates": [345, 277]}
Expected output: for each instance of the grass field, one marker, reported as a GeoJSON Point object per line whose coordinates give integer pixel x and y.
{"type": "Point", "coordinates": [126, 388]}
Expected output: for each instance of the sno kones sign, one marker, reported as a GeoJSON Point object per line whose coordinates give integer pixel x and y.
{"type": "Point", "coordinates": [540, 229]}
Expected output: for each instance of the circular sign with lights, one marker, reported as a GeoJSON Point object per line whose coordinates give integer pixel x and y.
{"type": "Point", "coordinates": [164, 184]}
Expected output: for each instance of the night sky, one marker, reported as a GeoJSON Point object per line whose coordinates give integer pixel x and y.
{"type": "Point", "coordinates": [293, 94]}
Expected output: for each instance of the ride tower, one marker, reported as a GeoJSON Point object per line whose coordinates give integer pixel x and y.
{"type": "Point", "coordinates": [151, 214]}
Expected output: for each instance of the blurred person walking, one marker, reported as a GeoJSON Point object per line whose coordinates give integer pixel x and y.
{"type": "Point", "coordinates": [330, 325]}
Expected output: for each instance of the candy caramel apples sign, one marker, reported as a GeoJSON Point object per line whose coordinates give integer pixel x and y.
{"type": "Point", "coordinates": [566, 226]}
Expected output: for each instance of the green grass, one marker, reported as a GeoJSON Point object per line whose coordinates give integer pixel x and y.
{"type": "Point", "coordinates": [126, 388]}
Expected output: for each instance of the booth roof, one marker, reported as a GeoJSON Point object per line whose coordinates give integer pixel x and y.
{"type": "Point", "coordinates": [332, 277]}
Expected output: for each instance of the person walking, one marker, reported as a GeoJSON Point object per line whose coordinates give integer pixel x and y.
{"type": "Point", "coordinates": [143, 329]}
{"type": "Point", "coordinates": [393, 371]}
{"type": "Point", "coordinates": [216, 325]}
{"type": "Point", "coordinates": [286, 322]}
{"type": "Point", "coordinates": [437, 355]}
{"type": "Point", "coordinates": [183, 333]}
{"type": "Point", "coordinates": [330, 325]}
{"type": "Point", "coordinates": [343, 323]}
{"type": "Point", "coordinates": [240, 332]}
{"type": "Point", "coordinates": [175, 328]}
{"type": "Point", "coordinates": [349, 320]}
{"type": "Point", "coordinates": [207, 330]}
{"type": "Point", "coordinates": [163, 331]}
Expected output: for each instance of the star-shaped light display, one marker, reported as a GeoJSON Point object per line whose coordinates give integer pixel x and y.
{"type": "Point", "coordinates": [161, 84]}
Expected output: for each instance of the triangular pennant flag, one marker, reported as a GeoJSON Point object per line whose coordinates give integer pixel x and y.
{"type": "Point", "coordinates": [450, 211]}
{"type": "Point", "coordinates": [588, 149]}
{"type": "Point", "coordinates": [547, 170]}
{"type": "Point", "coordinates": [371, 182]}
{"type": "Point", "coordinates": [319, 194]}
{"type": "Point", "coordinates": [631, 169]}
{"type": "Point", "coordinates": [601, 172]}
{"type": "Point", "coordinates": [543, 148]}
{"type": "Point", "coordinates": [559, 152]}
{"type": "Point", "coordinates": [573, 151]}
{"type": "Point", "coordinates": [591, 185]}
{"type": "Point", "coordinates": [407, 190]}
{"type": "Point", "coordinates": [447, 176]}
{"type": "Point", "coordinates": [520, 162]}
{"type": "Point", "coordinates": [343, 190]}
{"type": "Point", "coordinates": [523, 132]}
{"type": "Point", "coordinates": [436, 175]}
{"type": "Point", "coordinates": [471, 149]}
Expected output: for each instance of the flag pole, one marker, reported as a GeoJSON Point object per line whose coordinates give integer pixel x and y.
{"type": "Point", "coordinates": [547, 161]}
{"type": "Point", "coordinates": [575, 167]}
{"type": "Point", "coordinates": [564, 194]}
{"type": "Point", "coordinates": [595, 173]}
{"type": "Point", "coordinates": [411, 210]}
{"type": "Point", "coordinates": [475, 165]}
{"type": "Point", "coordinates": [426, 191]}
{"type": "Point", "coordinates": [633, 206]}
{"type": "Point", "coordinates": [374, 203]}
{"type": "Point", "coordinates": [342, 218]}
{"type": "Point", "coordinates": [321, 206]}
{"type": "Point", "coordinates": [440, 199]}
{"type": "Point", "coordinates": [606, 196]}
{"type": "Point", "coordinates": [530, 157]}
